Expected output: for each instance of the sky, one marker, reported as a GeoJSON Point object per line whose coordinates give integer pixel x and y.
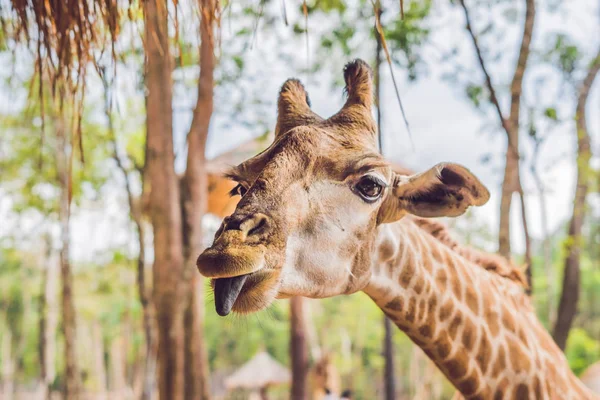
{"type": "Point", "coordinates": [445, 126]}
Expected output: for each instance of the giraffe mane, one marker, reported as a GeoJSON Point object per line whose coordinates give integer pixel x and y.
{"type": "Point", "coordinates": [493, 263]}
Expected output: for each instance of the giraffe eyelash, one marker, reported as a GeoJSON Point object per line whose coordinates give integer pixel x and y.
{"type": "Point", "coordinates": [238, 190]}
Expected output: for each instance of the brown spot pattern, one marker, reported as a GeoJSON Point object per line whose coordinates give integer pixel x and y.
{"type": "Point", "coordinates": [396, 304]}
{"type": "Point", "coordinates": [501, 389]}
{"type": "Point", "coordinates": [454, 325]}
{"type": "Point", "coordinates": [469, 386]}
{"type": "Point", "coordinates": [456, 367]}
{"type": "Point", "coordinates": [468, 334]}
{"type": "Point", "coordinates": [441, 279]}
{"type": "Point", "coordinates": [537, 388]}
{"type": "Point", "coordinates": [443, 346]}
{"type": "Point", "coordinates": [407, 273]}
{"type": "Point", "coordinates": [411, 310]}
{"type": "Point", "coordinates": [456, 288]}
{"type": "Point", "coordinates": [472, 299]}
{"type": "Point", "coordinates": [418, 285]}
{"type": "Point", "coordinates": [421, 311]}
{"type": "Point", "coordinates": [493, 321]}
{"type": "Point", "coordinates": [500, 362]}
{"type": "Point", "coordinates": [507, 320]}
{"type": "Point", "coordinates": [425, 331]}
{"type": "Point", "coordinates": [518, 358]}
{"type": "Point", "coordinates": [522, 392]}
{"type": "Point", "coordinates": [484, 353]}
{"type": "Point", "coordinates": [446, 310]}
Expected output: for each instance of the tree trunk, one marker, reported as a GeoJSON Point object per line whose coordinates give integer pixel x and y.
{"type": "Point", "coordinates": [567, 307]}
{"type": "Point", "coordinates": [164, 202]}
{"type": "Point", "coordinates": [47, 323]}
{"type": "Point", "coordinates": [149, 317]}
{"type": "Point", "coordinates": [99, 367]}
{"type": "Point", "coordinates": [43, 325]}
{"type": "Point", "coordinates": [196, 357]}
{"type": "Point", "coordinates": [388, 351]}
{"type": "Point", "coordinates": [298, 349]}
{"type": "Point", "coordinates": [263, 393]}
{"type": "Point", "coordinates": [63, 168]}
{"type": "Point", "coordinates": [512, 181]}
{"type": "Point", "coordinates": [136, 215]}
{"type": "Point", "coordinates": [118, 382]}
{"type": "Point", "coordinates": [378, 50]}
{"type": "Point", "coordinates": [547, 251]}
{"type": "Point", "coordinates": [8, 366]}
{"type": "Point", "coordinates": [528, 259]}
{"type": "Point", "coordinates": [312, 336]}
{"type": "Point", "coordinates": [194, 198]}
{"type": "Point", "coordinates": [510, 166]}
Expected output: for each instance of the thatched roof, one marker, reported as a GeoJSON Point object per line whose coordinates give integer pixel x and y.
{"type": "Point", "coordinates": [230, 158]}
{"type": "Point", "coordinates": [261, 371]}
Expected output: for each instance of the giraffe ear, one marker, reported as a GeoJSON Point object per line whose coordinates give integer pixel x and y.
{"type": "Point", "coordinates": [446, 190]}
{"type": "Point", "coordinates": [356, 115]}
{"type": "Point", "coordinates": [359, 83]}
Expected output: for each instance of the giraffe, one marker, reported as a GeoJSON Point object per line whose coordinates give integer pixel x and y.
{"type": "Point", "coordinates": [322, 214]}
{"type": "Point", "coordinates": [324, 378]}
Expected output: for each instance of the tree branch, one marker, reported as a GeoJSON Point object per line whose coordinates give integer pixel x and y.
{"type": "Point", "coordinates": [488, 79]}
{"type": "Point", "coordinates": [516, 85]}
{"type": "Point", "coordinates": [569, 298]}
{"type": "Point", "coordinates": [512, 181]}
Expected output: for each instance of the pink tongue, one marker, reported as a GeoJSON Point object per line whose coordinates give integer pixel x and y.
{"type": "Point", "coordinates": [227, 291]}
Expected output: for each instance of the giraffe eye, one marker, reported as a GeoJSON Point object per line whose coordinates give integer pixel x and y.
{"type": "Point", "coordinates": [239, 190]}
{"type": "Point", "coordinates": [370, 188]}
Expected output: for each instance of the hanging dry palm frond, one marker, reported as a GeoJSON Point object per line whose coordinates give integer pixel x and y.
{"type": "Point", "coordinates": [381, 36]}
{"type": "Point", "coordinates": [63, 33]}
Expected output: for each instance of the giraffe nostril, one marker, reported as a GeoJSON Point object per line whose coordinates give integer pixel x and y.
{"type": "Point", "coordinates": [260, 225]}
{"type": "Point", "coordinates": [249, 224]}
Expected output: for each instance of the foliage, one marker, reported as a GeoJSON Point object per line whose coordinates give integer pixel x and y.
{"type": "Point", "coordinates": [405, 36]}
{"type": "Point", "coordinates": [18, 307]}
{"type": "Point", "coordinates": [582, 350]}
{"type": "Point", "coordinates": [408, 35]}
{"type": "Point", "coordinates": [564, 54]}
{"type": "Point", "coordinates": [28, 165]}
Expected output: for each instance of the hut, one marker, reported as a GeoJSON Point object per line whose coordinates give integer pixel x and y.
{"type": "Point", "coordinates": [258, 374]}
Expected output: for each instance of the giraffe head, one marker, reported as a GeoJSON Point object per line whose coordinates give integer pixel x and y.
{"type": "Point", "coordinates": [311, 203]}
{"type": "Point", "coordinates": [325, 378]}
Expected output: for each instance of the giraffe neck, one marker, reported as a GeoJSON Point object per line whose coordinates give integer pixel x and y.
{"type": "Point", "coordinates": [478, 328]}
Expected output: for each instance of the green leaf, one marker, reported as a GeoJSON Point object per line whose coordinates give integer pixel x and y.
{"type": "Point", "coordinates": [550, 113]}
{"type": "Point", "coordinates": [239, 61]}
{"type": "Point", "coordinates": [474, 93]}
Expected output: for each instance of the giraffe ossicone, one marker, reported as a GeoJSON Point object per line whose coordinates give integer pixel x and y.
{"type": "Point", "coordinates": [323, 214]}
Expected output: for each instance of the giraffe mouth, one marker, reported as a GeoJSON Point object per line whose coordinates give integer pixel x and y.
{"type": "Point", "coordinates": [245, 294]}
{"type": "Point", "coordinates": [227, 291]}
